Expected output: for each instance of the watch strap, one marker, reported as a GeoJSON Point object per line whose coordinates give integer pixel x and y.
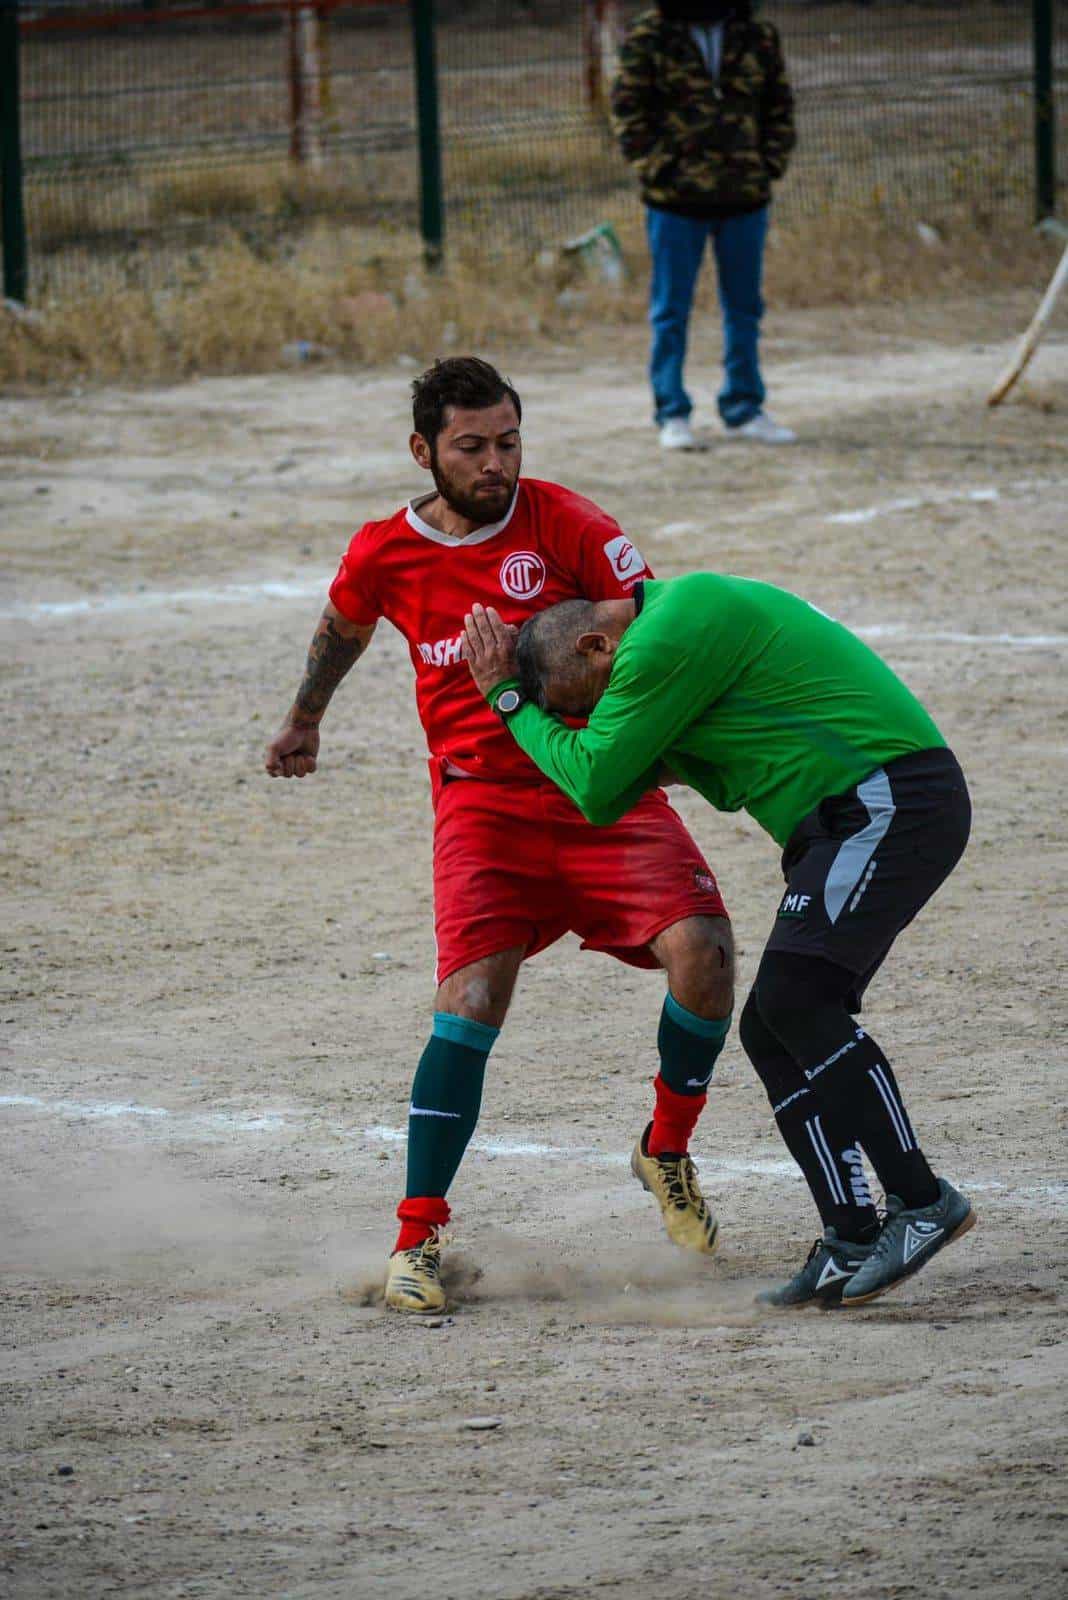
{"type": "Point", "coordinates": [499, 688]}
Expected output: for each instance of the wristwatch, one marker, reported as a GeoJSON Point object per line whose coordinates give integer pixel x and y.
{"type": "Point", "coordinates": [508, 703]}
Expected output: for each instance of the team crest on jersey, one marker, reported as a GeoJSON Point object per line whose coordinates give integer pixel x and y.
{"type": "Point", "coordinates": [626, 561]}
{"type": "Point", "coordinates": [522, 574]}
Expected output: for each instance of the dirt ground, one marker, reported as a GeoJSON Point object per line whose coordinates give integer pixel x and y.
{"type": "Point", "coordinates": [216, 988]}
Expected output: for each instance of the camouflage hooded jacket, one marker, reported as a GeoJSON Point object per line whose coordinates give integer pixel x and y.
{"type": "Point", "coordinates": [703, 147]}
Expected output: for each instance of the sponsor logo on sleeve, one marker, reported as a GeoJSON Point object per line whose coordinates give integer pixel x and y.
{"type": "Point", "coordinates": [795, 905]}
{"type": "Point", "coordinates": [522, 574]}
{"type": "Point", "coordinates": [626, 561]}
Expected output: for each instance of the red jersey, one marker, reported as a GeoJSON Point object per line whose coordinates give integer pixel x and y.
{"type": "Point", "coordinates": [551, 545]}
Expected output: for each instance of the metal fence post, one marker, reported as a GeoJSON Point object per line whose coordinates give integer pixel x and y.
{"type": "Point", "coordinates": [13, 215]}
{"type": "Point", "coordinates": [431, 208]}
{"type": "Point", "coordinates": [1045, 155]}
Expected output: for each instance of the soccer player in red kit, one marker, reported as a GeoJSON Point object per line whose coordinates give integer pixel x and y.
{"type": "Point", "coordinates": [516, 865]}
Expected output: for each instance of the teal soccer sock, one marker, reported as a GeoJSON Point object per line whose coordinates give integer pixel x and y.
{"type": "Point", "coordinates": [689, 1046]}
{"type": "Point", "coordinates": [446, 1098]}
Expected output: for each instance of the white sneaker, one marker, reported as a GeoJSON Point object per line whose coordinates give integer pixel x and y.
{"type": "Point", "coordinates": [676, 434]}
{"type": "Point", "coordinates": [764, 430]}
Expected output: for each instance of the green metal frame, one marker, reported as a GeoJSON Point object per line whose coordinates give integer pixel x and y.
{"type": "Point", "coordinates": [1045, 125]}
{"type": "Point", "coordinates": [431, 203]}
{"type": "Point", "coordinates": [12, 212]}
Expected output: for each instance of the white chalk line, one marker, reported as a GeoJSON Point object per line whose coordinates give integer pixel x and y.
{"type": "Point", "coordinates": [1015, 641]}
{"type": "Point", "coordinates": [1047, 1196]}
{"type": "Point", "coordinates": [987, 495]}
{"type": "Point", "coordinates": [105, 605]}
{"type": "Point", "coordinates": [95, 606]}
{"type": "Point", "coordinates": [104, 1111]}
{"type": "Point", "coordinates": [92, 606]}
{"type": "Point", "coordinates": [913, 503]}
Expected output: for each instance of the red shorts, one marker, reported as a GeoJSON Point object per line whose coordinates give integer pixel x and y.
{"type": "Point", "coordinates": [518, 864]}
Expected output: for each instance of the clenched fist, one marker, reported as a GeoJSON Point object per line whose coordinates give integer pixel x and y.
{"type": "Point", "coordinates": [292, 753]}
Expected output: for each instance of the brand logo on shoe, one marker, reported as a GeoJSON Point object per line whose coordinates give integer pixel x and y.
{"type": "Point", "coordinates": [833, 1273]}
{"type": "Point", "coordinates": [918, 1235]}
{"type": "Point", "coordinates": [523, 574]}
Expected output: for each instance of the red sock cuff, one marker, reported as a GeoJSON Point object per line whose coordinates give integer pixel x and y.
{"type": "Point", "coordinates": [419, 1216]}
{"type": "Point", "coordinates": [674, 1119]}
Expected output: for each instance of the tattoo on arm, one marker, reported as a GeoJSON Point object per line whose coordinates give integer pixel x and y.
{"type": "Point", "coordinates": [329, 658]}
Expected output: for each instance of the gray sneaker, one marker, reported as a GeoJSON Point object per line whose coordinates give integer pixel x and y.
{"type": "Point", "coordinates": [762, 428]}
{"type": "Point", "coordinates": [907, 1241]}
{"type": "Point", "coordinates": [831, 1263]}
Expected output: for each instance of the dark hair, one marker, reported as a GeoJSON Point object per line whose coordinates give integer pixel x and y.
{"type": "Point", "coordinates": [707, 11]}
{"type": "Point", "coordinates": [459, 381]}
{"type": "Point", "coordinates": [546, 644]}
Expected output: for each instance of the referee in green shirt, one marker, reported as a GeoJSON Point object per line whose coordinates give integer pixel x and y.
{"type": "Point", "coordinates": [760, 702]}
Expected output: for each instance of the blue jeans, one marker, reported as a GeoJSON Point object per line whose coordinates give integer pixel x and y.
{"type": "Point", "coordinates": [677, 245]}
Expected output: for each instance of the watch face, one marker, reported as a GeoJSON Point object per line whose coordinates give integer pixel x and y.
{"type": "Point", "coordinates": [509, 701]}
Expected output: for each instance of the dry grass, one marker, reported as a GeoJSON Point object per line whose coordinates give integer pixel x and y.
{"type": "Point", "coordinates": [583, 160]}
{"type": "Point", "coordinates": [856, 260]}
{"type": "Point", "coordinates": [273, 195]}
{"type": "Point", "coordinates": [215, 263]}
{"type": "Point", "coordinates": [361, 296]}
{"type": "Point", "coordinates": [238, 309]}
{"type": "Point", "coordinates": [260, 200]}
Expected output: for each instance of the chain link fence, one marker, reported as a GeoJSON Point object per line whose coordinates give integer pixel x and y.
{"type": "Point", "coordinates": [149, 135]}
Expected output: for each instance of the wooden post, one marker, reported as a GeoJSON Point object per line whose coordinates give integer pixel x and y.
{"type": "Point", "coordinates": [305, 85]}
{"type": "Point", "coordinates": [601, 33]}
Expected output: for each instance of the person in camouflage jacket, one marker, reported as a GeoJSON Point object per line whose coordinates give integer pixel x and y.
{"type": "Point", "coordinates": [704, 114]}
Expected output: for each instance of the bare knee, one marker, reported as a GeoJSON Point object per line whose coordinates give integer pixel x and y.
{"type": "Point", "coordinates": [483, 990]}
{"type": "Point", "coordinates": [698, 957]}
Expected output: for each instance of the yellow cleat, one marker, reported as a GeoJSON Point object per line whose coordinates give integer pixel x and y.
{"type": "Point", "coordinates": [673, 1182]}
{"type": "Point", "coordinates": [413, 1281]}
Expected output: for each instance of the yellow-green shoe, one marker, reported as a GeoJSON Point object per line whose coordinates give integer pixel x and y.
{"type": "Point", "coordinates": [413, 1281]}
{"type": "Point", "coordinates": [673, 1181]}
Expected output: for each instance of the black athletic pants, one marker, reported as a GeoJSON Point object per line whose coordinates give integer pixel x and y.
{"type": "Point", "coordinates": [858, 869]}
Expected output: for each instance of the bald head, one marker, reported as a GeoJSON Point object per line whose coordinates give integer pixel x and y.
{"type": "Point", "coordinates": [564, 653]}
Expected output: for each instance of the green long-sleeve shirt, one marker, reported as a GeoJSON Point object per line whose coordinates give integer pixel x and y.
{"type": "Point", "coordinates": [749, 694]}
